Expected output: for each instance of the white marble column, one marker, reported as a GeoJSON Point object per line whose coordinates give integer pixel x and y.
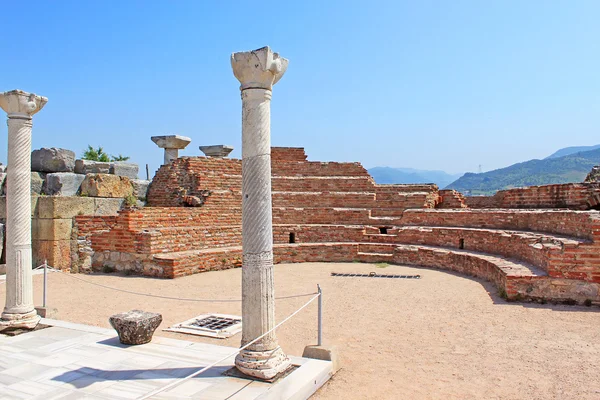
{"type": "Point", "coordinates": [258, 71]}
{"type": "Point", "coordinates": [19, 311]}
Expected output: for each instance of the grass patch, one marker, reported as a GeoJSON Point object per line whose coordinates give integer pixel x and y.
{"type": "Point", "coordinates": [382, 265]}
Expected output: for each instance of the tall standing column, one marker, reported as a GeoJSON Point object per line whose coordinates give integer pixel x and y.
{"type": "Point", "coordinates": [258, 71]}
{"type": "Point", "coordinates": [19, 311]}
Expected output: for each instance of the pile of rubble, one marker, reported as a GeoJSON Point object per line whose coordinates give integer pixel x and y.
{"type": "Point", "coordinates": [56, 172]}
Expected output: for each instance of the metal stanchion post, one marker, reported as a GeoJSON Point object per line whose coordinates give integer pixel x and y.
{"type": "Point", "coordinates": [320, 338]}
{"type": "Point", "coordinates": [45, 282]}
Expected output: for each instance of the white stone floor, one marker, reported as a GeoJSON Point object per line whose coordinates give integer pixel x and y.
{"type": "Point", "coordinates": [72, 361]}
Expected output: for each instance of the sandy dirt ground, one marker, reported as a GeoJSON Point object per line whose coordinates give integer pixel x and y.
{"type": "Point", "coordinates": [443, 336]}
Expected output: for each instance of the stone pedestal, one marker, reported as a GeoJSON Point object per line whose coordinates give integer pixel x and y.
{"type": "Point", "coordinates": [172, 144]}
{"type": "Point", "coordinates": [258, 71]}
{"type": "Point", "coordinates": [217, 150]}
{"type": "Point", "coordinates": [19, 311]}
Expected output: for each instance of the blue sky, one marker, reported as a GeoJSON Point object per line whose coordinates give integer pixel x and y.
{"type": "Point", "coordinates": [425, 84]}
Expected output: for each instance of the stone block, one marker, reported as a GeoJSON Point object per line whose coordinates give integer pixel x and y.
{"type": "Point", "coordinates": [326, 353]}
{"type": "Point", "coordinates": [135, 326]}
{"type": "Point", "coordinates": [91, 167]}
{"type": "Point", "coordinates": [34, 202]}
{"type": "Point", "coordinates": [140, 188]}
{"type": "Point", "coordinates": [56, 252]}
{"type": "Point", "coordinates": [51, 229]}
{"type": "Point", "coordinates": [108, 206]}
{"type": "Point", "coordinates": [65, 207]}
{"type": "Point", "coordinates": [219, 150]}
{"type": "Point", "coordinates": [63, 184]}
{"type": "Point", "coordinates": [103, 185]}
{"type": "Point", "coordinates": [120, 168]}
{"type": "Point", "coordinates": [47, 312]}
{"type": "Point", "coordinates": [37, 182]}
{"type": "Point", "coordinates": [52, 160]}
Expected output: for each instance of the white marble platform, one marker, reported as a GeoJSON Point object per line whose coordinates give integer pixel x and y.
{"type": "Point", "coordinates": [72, 361]}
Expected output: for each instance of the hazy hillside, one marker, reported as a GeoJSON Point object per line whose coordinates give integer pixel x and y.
{"type": "Point", "coordinates": [572, 150]}
{"type": "Point", "coordinates": [570, 168]}
{"type": "Point", "coordinates": [409, 175]}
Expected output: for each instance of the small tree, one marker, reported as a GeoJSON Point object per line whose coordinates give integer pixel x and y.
{"type": "Point", "coordinates": [119, 158]}
{"type": "Point", "coordinates": [98, 154]}
{"type": "Point", "coordinates": [95, 154]}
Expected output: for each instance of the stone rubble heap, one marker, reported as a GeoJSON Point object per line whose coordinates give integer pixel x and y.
{"type": "Point", "coordinates": [56, 172]}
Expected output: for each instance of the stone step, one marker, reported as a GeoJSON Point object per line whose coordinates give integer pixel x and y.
{"type": "Point", "coordinates": [438, 257]}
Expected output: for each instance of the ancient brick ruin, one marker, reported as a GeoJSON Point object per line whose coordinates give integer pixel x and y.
{"type": "Point", "coordinates": [538, 243]}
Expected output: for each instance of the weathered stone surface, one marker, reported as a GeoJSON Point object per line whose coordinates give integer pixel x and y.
{"type": "Point", "coordinates": [2, 234]}
{"type": "Point", "coordinates": [140, 188]}
{"type": "Point", "coordinates": [257, 71]}
{"type": "Point", "coordinates": [326, 353]}
{"type": "Point", "coordinates": [103, 206]}
{"type": "Point", "coordinates": [19, 311]}
{"type": "Point", "coordinates": [172, 144]}
{"type": "Point", "coordinates": [594, 175]}
{"type": "Point", "coordinates": [136, 326]}
{"type": "Point", "coordinates": [104, 185]}
{"type": "Point", "coordinates": [128, 170]}
{"type": "Point", "coordinates": [219, 150]}
{"type": "Point", "coordinates": [171, 141]}
{"type": "Point", "coordinates": [63, 184]}
{"type": "Point", "coordinates": [51, 229]}
{"type": "Point", "coordinates": [2, 183]}
{"type": "Point", "coordinates": [37, 182]}
{"type": "Point", "coordinates": [65, 207]}
{"type": "Point", "coordinates": [91, 167]}
{"type": "Point", "coordinates": [52, 160]}
{"type": "Point", "coordinates": [56, 252]}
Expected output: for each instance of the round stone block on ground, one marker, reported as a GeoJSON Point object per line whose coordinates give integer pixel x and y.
{"type": "Point", "coordinates": [135, 326]}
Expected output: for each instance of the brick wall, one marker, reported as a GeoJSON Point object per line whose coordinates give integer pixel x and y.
{"type": "Point", "coordinates": [451, 199]}
{"type": "Point", "coordinates": [575, 196]}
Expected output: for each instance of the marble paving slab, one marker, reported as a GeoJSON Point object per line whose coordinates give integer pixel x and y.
{"type": "Point", "coordinates": [73, 361]}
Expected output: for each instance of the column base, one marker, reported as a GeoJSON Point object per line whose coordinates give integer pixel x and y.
{"type": "Point", "coordinates": [262, 364]}
{"type": "Point", "coordinates": [19, 321]}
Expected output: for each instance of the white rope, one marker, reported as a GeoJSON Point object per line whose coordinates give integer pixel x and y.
{"type": "Point", "coordinates": [51, 269]}
{"type": "Point", "coordinates": [173, 384]}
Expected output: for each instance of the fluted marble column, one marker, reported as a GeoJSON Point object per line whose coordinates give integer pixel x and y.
{"type": "Point", "coordinates": [258, 71]}
{"type": "Point", "coordinates": [19, 311]}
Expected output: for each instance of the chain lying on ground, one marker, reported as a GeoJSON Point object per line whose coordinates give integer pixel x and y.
{"type": "Point", "coordinates": [51, 269]}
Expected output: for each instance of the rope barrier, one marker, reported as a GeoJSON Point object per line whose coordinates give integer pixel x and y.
{"type": "Point", "coordinates": [51, 269]}
{"type": "Point", "coordinates": [173, 384]}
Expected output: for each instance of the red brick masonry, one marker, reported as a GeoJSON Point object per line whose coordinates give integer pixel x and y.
{"type": "Point", "coordinates": [335, 212]}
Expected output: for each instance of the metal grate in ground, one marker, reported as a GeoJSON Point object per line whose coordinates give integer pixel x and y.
{"type": "Point", "coordinates": [212, 325]}
{"type": "Point", "coordinates": [375, 275]}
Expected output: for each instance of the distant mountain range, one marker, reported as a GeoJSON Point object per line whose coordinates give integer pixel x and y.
{"type": "Point", "coordinates": [564, 166]}
{"type": "Point", "coordinates": [410, 175]}
{"type": "Point", "coordinates": [572, 150]}
{"type": "Point", "coordinates": [570, 164]}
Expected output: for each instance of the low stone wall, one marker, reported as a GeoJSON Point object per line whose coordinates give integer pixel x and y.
{"type": "Point", "coordinates": [52, 225]}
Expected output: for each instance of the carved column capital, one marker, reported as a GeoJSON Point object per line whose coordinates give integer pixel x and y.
{"type": "Point", "coordinates": [21, 105]}
{"type": "Point", "coordinates": [258, 69]}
